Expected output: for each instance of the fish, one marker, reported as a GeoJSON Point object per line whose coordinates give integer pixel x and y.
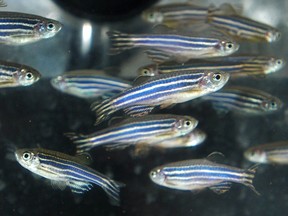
{"type": "Point", "coordinates": [161, 91]}
{"type": "Point", "coordinates": [14, 75]}
{"type": "Point", "coordinates": [244, 28]}
{"type": "Point", "coordinates": [194, 138]}
{"type": "Point", "coordinates": [198, 174]}
{"type": "Point", "coordinates": [244, 101]}
{"type": "Point", "coordinates": [89, 84]}
{"type": "Point", "coordinates": [237, 66]}
{"type": "Point", "coordinates": [271, 153]}
{"type": "Point", "coordinates": [146, 130]}
{"type": "Point", "coordinates": [172, 14]}
{"type": "Point", "coordinates": [20, 28]}
{"type": "Point", "coordinates": [172, 44]}
{"type": "Point", "coordinates": [66, 170]}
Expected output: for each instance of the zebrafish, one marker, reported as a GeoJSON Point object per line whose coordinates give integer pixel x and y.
{"type": "Point", "coordinates": [244, 100]}
{"type": "Point", "coordinates": [199, 174]}
{"type": "Point", "coordinates": [244, 28]}
{"type": "Point", "coordinates": [237, 66]}
{"type": "Point", "coordinates": [172, 44]}
{"type": "Point", "coordinates": [171, 14]}
{"type": "Point", "coordinates": [65, 170]}
{"type": "Point", "coordinates": [163, 90]}
{"type": "Point", "coordinates": [194, 138]}
{"type": "Point", "coordinates": [19, 28]}
{"type": "Point", "coordinates": [89, 84]}
{"type": "Point", "coordinates": [146, 130]}
{"type": "Point", "coordinates": [13, 75]}
{"type": "Point", "coordinates": [274, 153]}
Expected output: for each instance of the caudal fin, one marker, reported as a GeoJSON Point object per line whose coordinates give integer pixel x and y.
{"type": "Point", "coordinates": [113, 191]}
{"type": "Point", "coordinates": [103, 110]}
{"type": "Point", "coordinates": [119, 42]}
{"type": "Point", "coordinates": [249, 176]}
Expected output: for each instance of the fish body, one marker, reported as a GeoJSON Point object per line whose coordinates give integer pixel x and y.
{"type": "Point", "coordinates": [244, 28]}
{"type": "Point", "coordinates": [14, 75]}
{"type": "Point", "coordinates": [20, 28]}
{"type": "Point", "coordinates": [142, 130]}
{"type": "Point", "coordinates": [194, 138]}
{"type": "Point", "coordinates": [198, 174]}
{"type": "Point", "coordinates": [173, 45]}
{"type": "Point", "coordinates": [172, 14]}
{"type": "Point", "coordinates": [235, 65]}
{"type": "Point", "coordinates": [163, 90]}
{"type": "Point", "coordinates": [244, 100]}
{"type": "Point", "coordinates": [89, 84]}
{"type": "Point", "coordinates": [273, 153]}
{"type": "Point", "coordinates": [65, 170]}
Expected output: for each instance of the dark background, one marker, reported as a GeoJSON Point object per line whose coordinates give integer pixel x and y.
{"type": "Point", "coordinates": [39, 115]}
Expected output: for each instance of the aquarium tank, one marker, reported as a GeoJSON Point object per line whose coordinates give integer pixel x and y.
{"type": "Point", "coordinates": [143, 108]}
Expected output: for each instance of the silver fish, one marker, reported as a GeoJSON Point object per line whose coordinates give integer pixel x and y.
{"type": "Point", "coordinates": [20, 28]}
{"type": "Point", "coordinates": [13, 75]}
{"type": "Point", "coordinates": [65, 170]}
{"type": "Point", "coordinates": [194, 138]}
{"type": "Point", "coordinates": [244, 100]}
{"type": "Point", "coordinates": [163, 90]}
{"type": "Point", "coordinates": [273, 153]}
{"type": "Point", "coordinates": [146, 130]}
{"type": "Point", "coordinates": [172, 44]}
{"type": "Point", "coordinates": [199, 174]}
{"type": "Point", "coordinates": [89, 84]}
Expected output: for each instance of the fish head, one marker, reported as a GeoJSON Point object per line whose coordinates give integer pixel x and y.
{"type": "Point", "coordinates": [272, 35]}
{"type": "Point", "coordinates": [153, 16]}
{"type": "Point", "coordinates": [58, 83]}
{"type": "Point", "coordinates": [157, 176]}
{"type": "Point", "coordinates": [256, 155]}
{"type": "Point", "coordinates": [27, 158]}
{"type": "Point", "coordinates": [27, 76]}
{"type": "Point", "coordinates": [214, 80]}
{"type": "Point", "coordinates": [149, 70]}
{"type": "Point", "coordinates": [271, 104]}
{"type": "Point", "coordinates": [275, 64]}
{"type": "Point", "coordinates": [185, 124]}
{"type": "Point", "coordinates": [48, 28]}
{"type": "Point", "coordinates": [227, 47]}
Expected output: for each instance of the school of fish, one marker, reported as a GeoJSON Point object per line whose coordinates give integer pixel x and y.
{"type": "Point", "coordinates": [190, 48]}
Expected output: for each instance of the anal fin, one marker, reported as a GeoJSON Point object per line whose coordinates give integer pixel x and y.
{"type": "Point", "coordinates": [138, 110]}
{"type": "Point", "coordinates": [221, 188]}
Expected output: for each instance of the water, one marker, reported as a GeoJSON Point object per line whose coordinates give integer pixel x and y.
{"type": "Point", "coordinates": [39, 115]}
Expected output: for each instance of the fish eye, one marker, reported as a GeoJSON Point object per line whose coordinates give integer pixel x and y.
{"type": "Point", "coordinates": [279, 62]}
{"type": "Point", "coordinates": [50, 26]}
{"type": "Point", "coordinates": [273, 104]}
{"type": "Point", "coordinates": [145, 71]}
{"type": "Point", "coordinates": [26, 156]}
{"type": "Point", "coordinates": [29, 76]}
{"type": "Point", "coordinates": [187, 123]}
{"type": "Point", "coordinates": [217, 77]}
{"type": "Point", "coordinates": [229, 45]}
{"type": "Point", "coordinates": [153, 174]}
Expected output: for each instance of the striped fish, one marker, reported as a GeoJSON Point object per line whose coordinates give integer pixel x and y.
{"type": "Point", "coordinates": [65, 170]}
{"type": "Point", "coordinates": [244, 100]}
{"type": "Point", "coordinates": [163, 90]}
{"type": "Point", "coordinates": [13, 75]}
{"type": "Point", "coordinates": [237, 66]}
{"type": "Point", "coordinates": [89, 84]}
{"type": "Point", "coordinates": [173, 44]}
{"type": "Point", "coordinates": [244, 28]}
{"type": "Point", "coordinates": [274, 153]}
{"type": "Point", "coordinates": [194, 138]}
{"type": "Point", "coordinates": [171, 14]}
{"type": "Point", "coordinates": [19, 28]}
{"type": "Point", "coordinates": [199, 174]}
{"type": "Point", "coordinates": [146, 130]}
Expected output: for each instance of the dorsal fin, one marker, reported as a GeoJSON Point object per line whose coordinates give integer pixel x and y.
{"type": "Point", "coordinates": [84, 158]}
{"type": "Point", "coordinates": [215, 156]}
{"type": "Point", "coordinates": [140, 79]}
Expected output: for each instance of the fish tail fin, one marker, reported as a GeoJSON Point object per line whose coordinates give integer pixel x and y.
{"type": "Point", "coordinates": [119, 42]}
{"type": "Point", "coordinates": [103, 110]}
{"type": "Point", "coordinates": [113, 191]}
{"type": "Point", "coordinates": [249, 176]}
{"type": "Point", "coordinates": [83, 143]}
